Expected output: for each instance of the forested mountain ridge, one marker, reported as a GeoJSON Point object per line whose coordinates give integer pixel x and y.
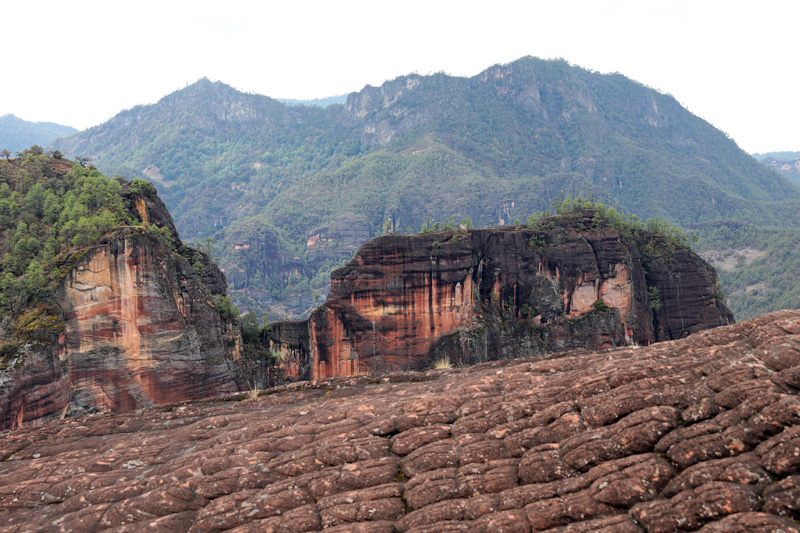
{"type": "Point", "coordinates": [17, 134]}
{"type": "Point", "coordinates": [318, 102]}
{"type": "Point", "coordinates": [288, 192]}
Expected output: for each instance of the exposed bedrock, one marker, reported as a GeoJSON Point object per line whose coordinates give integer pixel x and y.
{"type": "Point", "coordinates": [140, 330]}
{"type": "Point", "coordinates": [478, 295]}
{"type": "Point", "coordinates": [137, 327]}
{"type": "Point", "coordinates": [698, 434]}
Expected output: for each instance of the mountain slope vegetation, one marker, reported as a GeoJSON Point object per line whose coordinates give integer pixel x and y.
{"type": "Point", "coordinates": [787, 163]}
{"type": "Point", "coordinates": [287, 191]}
{"type": "Point", "coordinates": [757, 266]}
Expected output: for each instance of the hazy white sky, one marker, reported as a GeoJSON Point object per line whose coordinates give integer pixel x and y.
{"type": "Point", "coordinates": [79, 63]}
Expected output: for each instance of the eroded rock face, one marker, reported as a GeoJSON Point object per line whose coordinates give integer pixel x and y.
{"type": "Point", "coordinates": [140, 331]}
{"type": "Point", "coordinates": [338, 240]}
{"type": "Point", "coordinates": [258, 248]}
{"type": "Point", "coordinates": [697, 434]}
{"type": "Point", "coordinates": [137, 327]}
{"type": "Point", "coordinates": [473, 296]}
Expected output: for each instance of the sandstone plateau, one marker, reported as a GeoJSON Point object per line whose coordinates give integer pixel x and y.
{"type": "Point", "coordinates": [472, 296]}
{"type": "Point", "coordinates": [696, 434]}
{"type": "Point", "coordinates": [136, 326]}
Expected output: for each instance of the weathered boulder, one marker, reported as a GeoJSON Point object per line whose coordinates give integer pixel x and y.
{"type": "Point", "coordinates": [696, 434]}
{"type": "Point", "coordinates": [473, 296]}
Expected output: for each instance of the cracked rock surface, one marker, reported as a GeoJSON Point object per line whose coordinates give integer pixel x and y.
{"type": "Point", "coordinates": [699, 434]}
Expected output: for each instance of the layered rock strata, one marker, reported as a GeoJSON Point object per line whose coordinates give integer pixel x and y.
{"type": "Point", "coordinates": [136, 327]}
{"type": "Point", "coordinates": [697, 434]}
{"type": "Point", "coordinates": [140, 330]}
{"type": "Point", "coordinates": [473, 296]}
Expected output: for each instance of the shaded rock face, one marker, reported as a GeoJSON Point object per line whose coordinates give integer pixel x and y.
{"type": "Point", "coordinates": [293, 350]}
{"type": "Point", "coordinates": [137, 328]}
{"type": "Point", "coordinates": [473, 296]}
{"type": "Point", "coordinates": [257, 248]}
{"type": "Point", "coordinates": [698, 434]}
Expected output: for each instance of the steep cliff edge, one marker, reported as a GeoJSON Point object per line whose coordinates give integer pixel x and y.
{"type": "Point", "coordinates": [472, 296]}
{"type": "Point", "coordinates": [127, 320]}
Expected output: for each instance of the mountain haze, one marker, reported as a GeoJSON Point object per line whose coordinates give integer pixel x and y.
{"type": "Point", "coordinates": [319, 102]}
{"type": "Point", "coordinates": [288, 192]}
{"type": "Point", "coordinates": [787, 163]}
{"type": "Point", "coordinates": [17, 134]}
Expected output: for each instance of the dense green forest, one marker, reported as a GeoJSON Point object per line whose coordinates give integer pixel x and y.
{"type": "Point", "coordinates": [284, 192]}
{"type": "Point", "coordinates": [48, 207]}
{"type": "Point", "coordinates": [787, 163]}
{"type": "Point", "coordinates": [17, 134]}
{"type": "Point", "coordinates": [777, 155]}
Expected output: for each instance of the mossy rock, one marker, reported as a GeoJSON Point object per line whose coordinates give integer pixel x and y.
{"type": "Point", "coordinates": [40, 324]}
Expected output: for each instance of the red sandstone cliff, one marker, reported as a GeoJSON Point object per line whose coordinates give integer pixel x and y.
{"type": "Point", "coordinates": [137, 327]}
{"type": "Point", "coordinates": [473, 296]}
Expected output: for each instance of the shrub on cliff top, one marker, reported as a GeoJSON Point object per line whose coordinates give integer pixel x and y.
{"type": "Point", "coordinates": [629, 226]}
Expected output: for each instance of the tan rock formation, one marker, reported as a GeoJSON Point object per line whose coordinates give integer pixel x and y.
{"type": "Point", "coordinates": [139, 331]}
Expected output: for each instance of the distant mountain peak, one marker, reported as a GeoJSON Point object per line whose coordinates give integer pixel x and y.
{"type": "Point", "coordinates": [203, 86]}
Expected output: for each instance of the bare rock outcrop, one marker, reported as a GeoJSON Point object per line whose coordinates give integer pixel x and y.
{"type": "Point", "coordinates": [405, 301]}
{"type": "Point", "coordinates": [140, 330]}
{"type": "Point", "coordinates": [696, 434]}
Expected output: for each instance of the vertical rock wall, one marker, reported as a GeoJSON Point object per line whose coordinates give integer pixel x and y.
{"type": "Point", "coordinates": [135, 325]}
{"type": "Point", "coordinates": [140, 330]}
{"type": "Point", "coordinates": [137, 328]}
{"type": "Point", "coordinates": [478, 295]}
